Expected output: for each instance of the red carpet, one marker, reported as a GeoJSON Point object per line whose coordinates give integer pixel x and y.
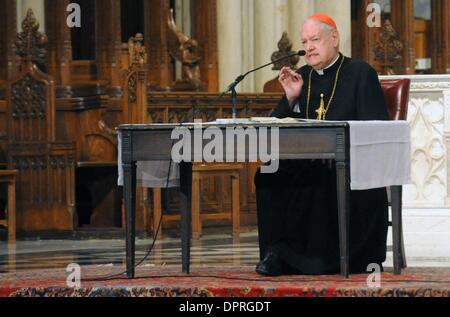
{"type": "Point", "coordinates": [223, 281]}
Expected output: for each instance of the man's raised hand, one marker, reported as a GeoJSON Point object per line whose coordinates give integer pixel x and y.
{"type": "Point", "coordinates": [291, 82]}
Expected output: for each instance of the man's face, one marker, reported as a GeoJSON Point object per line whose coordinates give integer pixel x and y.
{"type": "Point", "coordinates": [321, 45]}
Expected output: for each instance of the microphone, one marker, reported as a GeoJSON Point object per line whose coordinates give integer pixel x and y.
{"type": "Point", "coordinates": [232, 86]}
{"type": "Point", "coordinates": [241, 77]}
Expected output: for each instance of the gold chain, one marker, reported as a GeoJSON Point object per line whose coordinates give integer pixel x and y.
{"type": "Point", "coordinates": [332, 94]}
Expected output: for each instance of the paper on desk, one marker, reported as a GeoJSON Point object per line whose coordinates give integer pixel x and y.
{"type": "Point", "coordinates": [274, 120]}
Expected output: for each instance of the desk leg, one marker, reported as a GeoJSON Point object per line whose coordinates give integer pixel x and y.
{"type": "Point", "coordinates": [343, 197]}
{"type": "Point", "coordinates": [396, 204]}
{"type": "Point", "coordinates": [186, 223]}
{"type": "Point", "coordinates": [129, 174]}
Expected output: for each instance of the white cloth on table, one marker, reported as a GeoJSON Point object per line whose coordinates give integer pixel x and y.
{"type": "Point", "coordinates": [379, 157]}
{"type": "Point", "coordinates": [152, 174]}
{"type": "Point", "coordinates": [380, 154]}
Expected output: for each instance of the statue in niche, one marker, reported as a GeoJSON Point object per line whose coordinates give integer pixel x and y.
{"type": "Point", "coordinates": [185, 50]}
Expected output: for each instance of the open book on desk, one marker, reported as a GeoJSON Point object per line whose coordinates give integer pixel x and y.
{"type": "Point", "coordinates": [275, 120]}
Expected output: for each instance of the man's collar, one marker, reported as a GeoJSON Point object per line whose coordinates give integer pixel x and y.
{"type": "Point", "coordinates": [321, 71]}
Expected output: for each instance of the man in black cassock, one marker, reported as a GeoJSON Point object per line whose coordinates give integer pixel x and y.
{"type": "Point", "coordinates": [297, 205]}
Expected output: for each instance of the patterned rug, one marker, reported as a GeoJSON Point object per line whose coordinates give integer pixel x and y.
{"type": "Point", "coordinates": [239, 281]}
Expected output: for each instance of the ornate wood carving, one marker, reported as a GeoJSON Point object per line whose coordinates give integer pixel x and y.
{"type": "Point", "coordinates": [30, 44]}
{"type": "Point", "coordinates": [284, 49]}
{"type": "Point", "coordinates": [185, 50]}
{"type": "Point", "coordinates": [134, 99]}
{"type": "Point", "coordinates": [204, 15]}
{"type": "Point", "coordinates": [134, 106]}
{"type": "Point", "coordinates": [28, 110]}
{"type": "Point", "coordinates": [45, 191]}
{"type": "Point", "coordinates": [388, 50]}
{"type": "Point", "coordinates": [46, 178]}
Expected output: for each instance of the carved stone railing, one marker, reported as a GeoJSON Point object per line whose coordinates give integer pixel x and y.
{"type": "Point", "coordinates": [429, 116]}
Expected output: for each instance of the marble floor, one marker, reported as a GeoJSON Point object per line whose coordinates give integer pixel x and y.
{"type": "Point", "coordinates": [213, 248]}
{"type": "Point", "coordinates": [216, 247]}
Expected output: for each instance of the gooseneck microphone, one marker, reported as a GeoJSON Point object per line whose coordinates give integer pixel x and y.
{"type": "Point", "coordinates": [232, 86]}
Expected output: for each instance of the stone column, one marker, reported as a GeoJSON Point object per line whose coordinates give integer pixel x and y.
{"type": "Point", "coordinates": [340, 11]}
{"type": "Point", "coordinates": [298, 12]}
{"type": "Point", "coordinates": [271, 19]}
{"type": "Point", "coordinates": [248, 40]}
{"type": "Point", "coordinates": [229, 35]}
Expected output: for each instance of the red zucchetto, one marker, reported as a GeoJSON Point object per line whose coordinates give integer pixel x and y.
{"type": "Point", "coordinates": [324, 19]}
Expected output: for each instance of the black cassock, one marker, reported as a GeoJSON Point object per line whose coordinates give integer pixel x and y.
{"type": "Point", "coordinates": [297, 205]}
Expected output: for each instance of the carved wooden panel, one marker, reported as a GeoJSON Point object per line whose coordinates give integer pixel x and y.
{"type": "Point", "coordinates": [45, 183]}
{"type": "Point", "coordinates": [45, 191]}
{"type": "Point", "coordinates": [29, 120]}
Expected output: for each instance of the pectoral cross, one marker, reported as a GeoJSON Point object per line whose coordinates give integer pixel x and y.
{"type": "Point", "coordinates": [321, 110]}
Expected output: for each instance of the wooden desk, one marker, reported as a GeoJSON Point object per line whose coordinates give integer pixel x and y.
{"type": "Point", "coordinates": [147, 142]}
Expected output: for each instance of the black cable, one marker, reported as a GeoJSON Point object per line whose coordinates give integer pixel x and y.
{"type": "Point", "coordinates": [112, 276]}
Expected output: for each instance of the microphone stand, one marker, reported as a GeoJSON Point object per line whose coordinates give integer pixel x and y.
{"type": "Point", "coordinates": [232, 86]}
